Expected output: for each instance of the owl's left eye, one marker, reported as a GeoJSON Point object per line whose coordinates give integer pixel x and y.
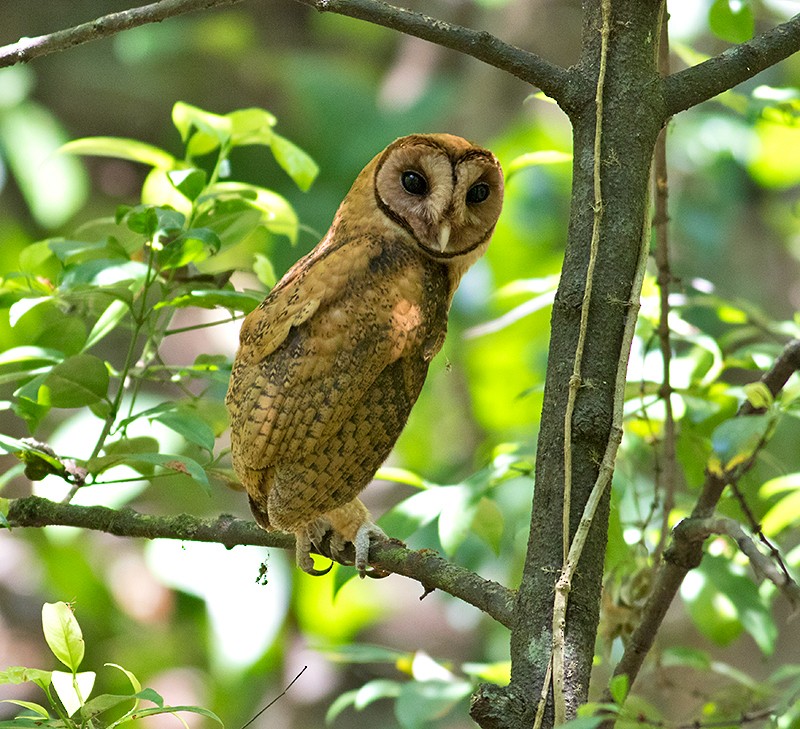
{"type": "Point", "coordinates": [478, 192]}
{"type": "Point", "coordinates": [414, 182]}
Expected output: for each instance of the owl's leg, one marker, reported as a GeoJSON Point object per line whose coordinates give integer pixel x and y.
{"type": "Point", "coordinates": [353, 524]}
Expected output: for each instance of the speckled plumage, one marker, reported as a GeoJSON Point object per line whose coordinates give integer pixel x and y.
{"type": "Point", "coordinates": [331, 362]}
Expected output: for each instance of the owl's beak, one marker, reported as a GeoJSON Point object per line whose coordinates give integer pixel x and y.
{"type": "Point", "coordinates": [444, 236]}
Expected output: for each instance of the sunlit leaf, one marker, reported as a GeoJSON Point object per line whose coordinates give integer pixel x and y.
{"type": "Point", "coordinates": [758, 395]}
{"type": "Point", "coordinates": [73, 690]}
{"type": "Point", "coordinates": [63, 634]}
{"type": "Point", "coordinates": [186, 117]}
{"type": "Point", "coordinates": [402, 520]}
{"type": "Point", "coordinates": [251, 126]}
{"type": "Point", "coordinates": [20, 674]}
{"type": "Point", "coordinates": [130, 149]}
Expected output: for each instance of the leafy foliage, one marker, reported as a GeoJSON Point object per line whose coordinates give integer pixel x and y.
{"type": "Point", "coordinates": [68, 693]}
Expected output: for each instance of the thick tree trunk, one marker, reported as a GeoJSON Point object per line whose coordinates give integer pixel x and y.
{"type": "Point", "coordinates": [632, 117]}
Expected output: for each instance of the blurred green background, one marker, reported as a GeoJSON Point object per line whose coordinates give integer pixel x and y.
{"type": "Point", "coordinates": [190, 619]}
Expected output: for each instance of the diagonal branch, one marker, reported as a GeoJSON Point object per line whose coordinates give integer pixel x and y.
{"type": "Point", "coordinates": [699, 83]}
{"type": "Point", "coordinates": [529, 67]}
{"type": "Point", "coordinates": [27, 49]}
{"type": "Point", "coordinates": [426, 566]}
{"type": "Point", "coordinates": [683, 557]}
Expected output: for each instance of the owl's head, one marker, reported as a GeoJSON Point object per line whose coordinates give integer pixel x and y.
{"type": "Point", "coordinates": [443, 191]}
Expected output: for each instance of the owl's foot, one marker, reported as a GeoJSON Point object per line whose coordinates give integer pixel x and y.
{"type": "Point", "coordinates": [307, 538]}
{"type": "Point", "coordinates": [361, 543]}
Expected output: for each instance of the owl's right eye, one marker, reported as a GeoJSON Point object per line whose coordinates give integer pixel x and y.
{"type": "Point", "coordinates": [414, 182]}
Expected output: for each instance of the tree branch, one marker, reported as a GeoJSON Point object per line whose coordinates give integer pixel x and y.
{"type": "Point", "coordinates": [425, 565]}
{"type": "Point", "coordinates": [529, 67]}
{"type": "Point", "coordinates": [681, 558]}
{"type": "Point", "coordinates": [27, 49]}
{"type": "Point", "coordinates": [699, 83]}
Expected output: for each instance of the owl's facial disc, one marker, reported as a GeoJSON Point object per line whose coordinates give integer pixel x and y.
{"type": "Point", "coordinates": [445, 193]}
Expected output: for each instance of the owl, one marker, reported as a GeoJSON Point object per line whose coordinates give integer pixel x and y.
{"type": "Point", "coordinates": [331, 362]}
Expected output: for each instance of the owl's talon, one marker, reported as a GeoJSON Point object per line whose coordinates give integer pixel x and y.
{"type": "Point", "coordinates": [303, 556]}
{"type": "Point", "coordinates": [362, 543]}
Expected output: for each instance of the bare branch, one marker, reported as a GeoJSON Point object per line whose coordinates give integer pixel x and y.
{"type": "Point", "coordinates": [425, 566]}
{"type": "Point", "coordinates": [27, 49]}
{"type": "Point", "coordinates": [529, 67]}
{"type": "Point", "coordinates": [699, 83]}
{"type": "Point", "coordinates": [698, 530]}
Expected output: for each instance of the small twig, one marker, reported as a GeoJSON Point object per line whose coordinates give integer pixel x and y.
{"type": "Point", "coordinates": [668, 467]}
{"type": "Point", "coordinates": [26, 49]}
{"type": "Point", "coordinates": [698, 530]}
{"type": "Point", "coordinates": [279, 696]}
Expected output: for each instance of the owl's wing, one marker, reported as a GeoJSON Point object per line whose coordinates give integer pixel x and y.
{"type": "Point", "coordinates": [314, 347]}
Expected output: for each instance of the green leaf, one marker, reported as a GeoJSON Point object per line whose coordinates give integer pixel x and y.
{"type": "Point", "coordinates": [54, 187]}
{"type": "Point", "coordinates": [190, 425]}
{"type": "Point", "coordinates": [121, 148]}
{"type": "Point", "coordinates": [194, 245]}
{"type": "Point", "coordinates": [35, 708]}
{"type": "Point", "coordinates": [364, 653]}
{"type": "Point", "coordinates": [294, 161]}
{"type": "Point", "coordinates": [189, 182]}
{"type": "Point", "coordinates": [732, 600]}
{"type": "Point", "coordinates": [277, 215]}
{"type": "Point", "coordinates": [456, 518]}
{"type": "Point", "coordinates": [186, 117]}
{"type": "Point", "coordinates": [77, 381]}
{"type": "Point", "coordinates": [251, 126]}
{"type": "Point", "coordinates": [732, 20]}
{"type": "Point", "coordinates": [402, 520]}
{"type": "Point", "coordinates": [618, 687]}
{"type": "Point", "coordinates": [488, 523]}
{"type": "Point", "coordinates": [73, 689]}
{"type": "Point", "coordinates": [141, 713]}
{"type": "Point", "coordinates": [104, 274]}
{"type": "Point", "coordinates": [243, 301]}
{"type": "Point", "coordinates": [38, 459]}
{"type": "Point", "coordinates": [263, 269]}
{"type": "Point", "coordinates": [374, 690]}
{"type": "Point", "coordinates": [114, 313]}
{"type": "Point", "coordinates": [153, 220]}
{"type": "Point", "coordinates": [143, 462]}
{"type": "Point", "coordinates": [736, 440]}
{"type": "Point", "coordinates": [104, 702]}
{"type": "Point", "coordinates": [20, 674]}
{"type": "Point", "coordinates": [421, 702]}
{"type": "Point", "coordinates": [63, 634]}
{"type": "Point", "coordinates": [758, 395]}
{"type": "Point", "coordinates": [339, 705]}
{"type": "Point", "coordinates": [783, 513]}
{"type": "Point", "coordinates": [137, 687]}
